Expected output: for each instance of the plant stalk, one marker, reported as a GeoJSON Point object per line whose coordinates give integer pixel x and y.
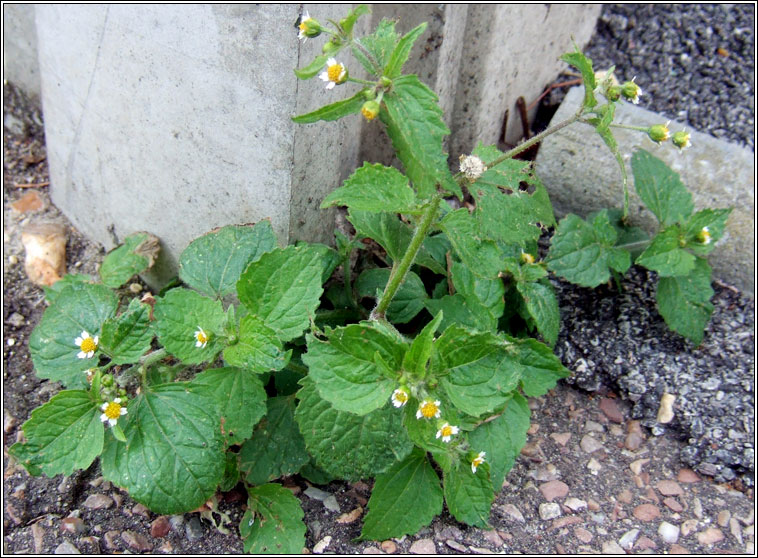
{"type": "Point", "coordinates": [400, 269]}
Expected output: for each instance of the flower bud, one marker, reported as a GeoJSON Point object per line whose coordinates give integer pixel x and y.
{"type": "Point", "coordinates": [330, 47]}
{"type": "Point", "coordinates": [613, 93]}
{"type": "Point", "coordinates": [527, 258]}
{"type": "Point", "coordinates": [107, 380]}
{"type": "Point", "coordinates": [659, 132]}
{"type": "Point", "coordinates": [704, 236]}
{"type": "Point", "coordinates": [681, 140]}
{"type": "Point", "coordinates": [308, 27]}
{"type": "Point", "coordinates": [370, 110]}
{"type": "Point", "coordinates": [472, 166]}
{"type": "Point", "coordinates": [631, 91]}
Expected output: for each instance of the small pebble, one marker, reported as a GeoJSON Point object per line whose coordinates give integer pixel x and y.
{"type": "Point", "coordinates": [98, 502]}
{"type": "Point", "coordinates": [316, 493]}
{"type": "Point", "coordinates": [423, 546]}
{"type": "Point", "coordinates": [351, 516]}
{"type": "Point", "coordinates": [678, 549]}
{"type": "Point", "coordinates": [13, 259]}
{"type": "Point", "coordinates": [66, 548]}
{"type": "Point", "coordinates": [455, 545]}
{"type": "Point", "coordinates": [583, 535]}
{"type": "Point", "coordinates": [575, 504]}
{"type": "Point", "coordinates": [644, 543]}
{"type": "Point", "coordinates": [689, 526]}
{"type": "Point", "coordinates": [176, 522]}
{"type": "Point", "coordinates": [723, 518]}
{"type": "Point", "coordinates": [627, 539]}
{"type": "Point", "coordinates": [73, 525]}
{"type": "Point", "coordinates": [734, 529]}
{"type": "Point", "coordinates": [160, 527]}
{"type": "Point", "coordinates": [478, 550]}
{"type": "Point", "coordinates": [633, 441]}
{"type": "Point", "coordinates": [668, 532]}
{"type": "Point", "coordinates": [371, 550]}
{"type": "Point", "coordinates": [666, 409]}
{"type": "Point", "coordinates": [612, 547]}
{"type": "Point", "coordinates": [513, 512]}
{"type": "Point", "coordinates": [110, 539]}
{"type": "Point", "coordinates": [646, 512]}
{"type": "Point", "coordinates": [610, 409]}
{"type": "Point", "coordinates": [669, 488]}
{"type": "Point", "coordinates": [711, 535]}
{"type": "Point", "coordinates": [135, 287]}
{"type": "Point", "coordinates": [687, 476]}
{"type": "Point", "coordinates": [590, 444]}
{"type": "Point", "coordinates": [136, 541]}
{"type": "Point", "coordinates": [636, 466]}
{"type": "Point", "coordinates": [594, 466]}
{"type": "Point", "coordinates": [625, 496]}
{"type": "Point", "coordinates": [549, 511]}
{"type": "Point", "coordinates": [553, 490]}
{"type": "Point", "coordinates": [561, 438]}
{"type": "Point", "coordinates": [493, 538]}
{"type": "Point", "coordinates": [389, 547]}
{"type": "Point", "coordinates": [321, 545]}
{"type": "Point", "coordinates": [194, 529]}
{"type": "Point", "coordinates": [673, 504]}
{"type": "Point", "coordinates": [331, 504]}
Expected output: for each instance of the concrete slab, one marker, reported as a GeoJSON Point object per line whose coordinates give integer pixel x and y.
{"type": "Point", "coordinates": [20, 48]}
{"type": "Point", "coordinates": [582, 176]}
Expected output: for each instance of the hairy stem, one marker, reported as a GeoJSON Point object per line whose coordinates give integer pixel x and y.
{"type": "Point", "coordinates": [400, 269]}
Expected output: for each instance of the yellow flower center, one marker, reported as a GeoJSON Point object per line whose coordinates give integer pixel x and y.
{"type": "Point", "coordinates": [302, 26]}
{"type": "Point", "coordinates": [478, 461]}
{"type": "Point", "coordinates": [527, 258]}
{"type": "Point", "coordinates": [113, 410]}
{"type": "Point", "coordinates": [446, 431]}
{"type": "Point", "coordinates": [88, 345]}
{"type": "Point", "coordinates": [367, 114]}
{"type": "Point", "coordinates": [428, 409]}
{"type": "Point", "coordinates": [333, 72]}
{"type": "Point", "coordinates": [201, 336]}
{"type": "Point", "coordinates": [401, 396]}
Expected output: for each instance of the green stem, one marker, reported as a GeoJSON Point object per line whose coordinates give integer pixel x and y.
{"type": "Point", "coordinates": [631, 246]}
{"type": "Point", "coordinates": [148, 359]}
{"type": "Point", "coordinates": [400, 269]}
{"type": "Point", "coordinates": [362, 81]}
{"type": "Point", "coordinates": [628, 127]}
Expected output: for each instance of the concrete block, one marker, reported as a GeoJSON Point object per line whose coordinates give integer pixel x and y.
{"type": "Point", "coordinates": [582, 176]}
{"type": "Point", "coordinates": [20, 48]}
{"type": "Point", "coordinates": [176, 121]}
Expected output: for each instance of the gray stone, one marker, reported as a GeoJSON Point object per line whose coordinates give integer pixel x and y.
{"type": "Point", "coordinates": [66, 547]}
{"type": "Point", "coordinates": [423, 546]}
{"type": "Point", "coordinates": [669, 533]}
{"type": "Point", "coordinates": [627, 539]}
{"type": "Point", "coordinates": [331, 504]}
{"type": "Point", "coordinates": [194, 529]}
{"type": "Point", "coordinates": [582, 176]}
{"type": "Point", "coordinates": [549, 511]}
{"type": "Point", "coordinates": [317, 493]}
{"type": "Point", "coordinates": [98, 502]}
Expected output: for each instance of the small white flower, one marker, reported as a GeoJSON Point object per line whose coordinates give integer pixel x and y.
{"type": "Point", "coordinates": [446, 432]}
{"type": "Point", "coordinates": [201, 338]}
{"type": "Point", "coordinates": [428, 409]}
{"type": "Point", "coordinates": [478, 460]}
{"type": "Point", "coordinates": [87, 344]}
{"type": "Point", "coordinates": [112, 411]}
{"type": "Point", "coordinates": [472, 166]}
{"type": "Point", "coordinates": [302, 26]}
{"type": "Point", "coordinates": [399, 397]}
{"type": "Point", "coordinates": [705, 236]}
{"type": "Point", "coordinates": [334, 74]}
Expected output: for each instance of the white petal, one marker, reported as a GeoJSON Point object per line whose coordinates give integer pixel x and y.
{"type": "Point", "coordinates": [418, 414]}
{"type": "Point", "coordinates": [117, 400]}
{"type": "Point", "coordinates": [104, 406]}
{"type": "Point", "coordinates": [198, 344]}
{"type": "Point", "coordinates": [439, 433]}
{"type": "Point", "coordinates": [112, 422]}
{"type": "Point", "coordinates": [103, 418]}
{"type": "Point", "coordinates": [90, 354]}
{"type": "Point", "coordinates": [331, 62]}
{"type": "Point", "coordinates": [330, 85]}
{"type": "Point", "coordinates": [85, 335]}
{"type": "Point", "coordinates": [123, 411]}
{"type": "Point", "coordinates": [323, 76]}
{"type": "Point", "coordinates": [473, 468]}
{"type": "Point", "coordinates": [97, 338]}
{"type": "Point", "coordinates": [81, 354]}
{"type": "Point", "coordinates": [78, 341]}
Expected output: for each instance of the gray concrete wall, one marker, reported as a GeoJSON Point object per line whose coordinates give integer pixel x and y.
{"type": "Point", "coordinates": [582, 176]}
{"type": "Point", "coordinates": [20, 64]}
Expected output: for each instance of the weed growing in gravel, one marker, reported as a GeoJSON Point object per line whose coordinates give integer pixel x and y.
{"type": "Point", "coordinates": [290, 376]}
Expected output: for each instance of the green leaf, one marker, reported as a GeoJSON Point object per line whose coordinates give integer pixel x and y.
{"type": "Point", "coordinates": [212, 263]}
{"type": "Point", "coordinates": [408, 301]}
{"type": "Point", "coordinates": [313, 68]}
{"type": "Point", "coordinates": [173, 458]}
{"type": "Point", "coordinates": [405, 498]}
{"type": "Point", "coordinates": [478, 376]}
{"type": "Point", "coordinates": [602, 127]}
{"type": "Point", "coordinates": [273, 522]}
{"type": "Point", "coordinates": [684, 301]}
{"type": "Point", "coordinates": [79, 307]}
{"type": "Point", "coordinates": [231, 472]}
{"type": "Point", "coordinates": [401, 52]}
{"type": "Point", "coordinates": [661, 189]}
{"type": "Point", "coordinates": [283, 288]}
{"type": "Point", "coordinates": [380, 45]}
{"type": "Point", "coordinates": [537, 366]}
{"type": "Point", "coordinates": [239, 396]}
{"type": "Point", "coordinates": [179, 315]}
{"type": "Point", "coordinates": [582, 252]}
{"type": "Point", "coordinates": [542, 306]}
{"type": "Point", "coordinates": [480, 254]}
{"type": "Point", "coordinates": [665, 255]}
{"type": "Point", "coordinates": [315, 474]}
{"type": "Point", "coordinates": [345, 367]}
{"type": "Point", "coordinates": [134, 256]}
{"type": "Point", "coordinates": [415, 126]}
{"type": "Point", "coordinates": [258, 348]}
{"type": "Point", "coordinates": [276, 448]}
{"type": "Point", "coordinates": [375, 188]}
{"type": "Point", "coordinates": [502, 439]}
{"type": "Point", "coordinates": [512, 204]}
{"type": "Point", "coordinates": [62, 435]}
{"type": "Point", "coordinates": [333, 111]}
{"type": "Point", "coordinates": [484, 297]}
{"type": "Point", "coordinates": [127, 337]}
{"type": "Point", "coordinates": [349, 446]}
{"type": "Point", "coordinates": [715, 220]}
{"type": "Point", "coordinates": [417, 357]}
{"type": "Point", "coordinates": [468, 495]}
{"type": "Point", "coordinates": [52, 292]}
{"type": "Point", "coordinates": [455, 311]}
{"type": "Point", "coordinates": [584, 65]}
{"type": "Point", "coordinates": [348, 22]}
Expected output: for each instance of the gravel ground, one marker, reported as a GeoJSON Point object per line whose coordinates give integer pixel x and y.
{"type": "Point", "coordinates": [592, 478]}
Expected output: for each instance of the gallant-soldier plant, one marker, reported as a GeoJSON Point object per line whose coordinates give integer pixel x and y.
{"type": "Point", "coordinates": [426, 393]}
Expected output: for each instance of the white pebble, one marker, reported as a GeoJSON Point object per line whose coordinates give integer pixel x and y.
{"type": "Point", "coordinates": [669, 533]}
{"type": "Point", "coordinates": [550, 511]}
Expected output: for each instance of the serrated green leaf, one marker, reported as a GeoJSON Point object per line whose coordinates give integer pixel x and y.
{"type": "Point", "coordinates": [173, 458]}
{"type": "Point", "coordinates": [582, 252]}
{"type": "Point", "coordinates": [333, 111]}
{"type": "Point", "coordinates": [584, 65]}
{"type": "Point", "coordinates": [179, 315]}
{"type": "Point", "coordinates": [661, 189]}
{"type": "Point", "coordinates": [273, 522]}
{"type": "Point", "coordinates": [239, 396]}
{"type": "Point", "coordinates": [135, 255]}
{"type": "Point", "coordinates": [345, 369]}
{"type": "Point", "coordinates": [213, 263]}
{"type": "Point", "coordinates": [502, 439]}
{"type": "Point", "coordinates": [714, 220]}
{"type": "Point", "coordinates": [380, 44]}
{"type": "Point", "coordinates": [456, 311]}
{"type": "Point", "coordinates": [480, 254]}
{"type": "Point", "coordinates": [401, 52]}
{"type": "Point", "coordinates": [315, 474]}
{"type": "Point", "coordinates": [484, 297]}
{"type": "Point", "coordinates": [408, 301]}
{"type": "Point", "coordinates": [415, 126]}
{"type": "Point", "coordinates": [283, 288]}
{"type": "Point", "coordinates": [52, 292]}
{"type": "Point", "coordinates": [542, 305]}
{"type": "Point", "coordinates": [375, 188]}
{"type": "Point", "coordinates": [468, 495]}
{"type": "Point", "coordinates": [417, 357]}
{"type": "Point", "coordinates": [405, 498]}
{"type": "Point", "coordinates": [127, 337]}
{"type": "Point", "coordinates": [665, 255]}
{"type": "Point", "coordinates": [684, 301]}
{"type": "Point", "coordinates": [349, 446]}
{"type": "Point", "coordinates": [313, 68]}
{"type": "Point", "coordinates": [538, 368]}
{"type": "Point", "coordinates": [349, 20]}
{"type": "Point", "coordinates": [231, 472]}
{"type": "Point", "coordinates": [276, 448]}
{"type": "Point", "coordinates": [257, 349]}
{"type": "Point", "coordinates": [512, 202]}
{"type": "Point", "coordinates": [476, 371]}
{"type": "Point", "coordinates": [79, 307]}
{"type": "Point", "coordinates": [63, 435]}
